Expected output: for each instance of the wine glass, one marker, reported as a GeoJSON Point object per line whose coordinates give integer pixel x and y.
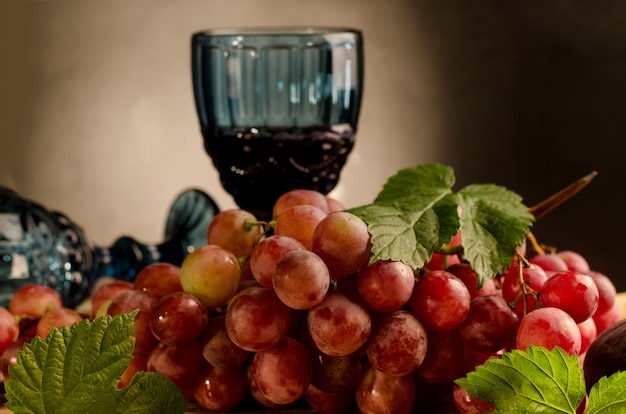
{"type": "Point", "coordinates": [278, 107]}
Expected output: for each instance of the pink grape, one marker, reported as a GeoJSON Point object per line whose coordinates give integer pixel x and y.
{"type": "Point", "coordinates": [608, 318]}
{"type": "Point", "coordinates": [218, 349]}
{"type": "Point", "coordinates": [378, 392]}
{"type": "Point", "coordinates": [299, 222]}
{"type": "Point", "coordinates": [266, 255]}
{"type": "Point", "coordinates": [177, 318]}
{"type": "Point", "coordinates": [220, 389]}
{"type": "Point", "coordinates": [574, 261]}
{"type": "Point", "coordinates": [445, 358]}
{"type": "Point", "coordinates": [573, 292]}
{"type": "Point", "coordinates": [385, 285]}
{"type": "Point", "coordinates": [106, 292]}
{"type": "Point", "coordinates": [334, 204]}
{"type": "Point", "coordinates": [339, 325]}
{"type": "Point", "coordinates": [301, 279]}
{"type": "Point", "coordinates": [534, 277]}
{"type": "Point", "coordinates": [256, 394]}
{"type": "Point", "coordinates": [57, 318]}
{"type": "Point", "coordinates": [490, 324]}
{"type": "Point", "coordinates": [606, 290]}
{"type": "Point", "coordinates": [180, 364]}
{"type": "Point", "coordinates": [235, 230]}
{"type": "Point", "coordinates": [256, 319]}
{"type": "Point", "coordinates": [9, 355]}
{"type": "Point", "coordinates": [398, 344]}
{"type": "Point", "coordinates": [9, 329]}
{"type": "Point", "coordinates": [342, 240]}
{"type": "Point", "coordinates": [212, 274]}
{"type": "Point", "coordinates": [127, 302]}
{"type": "Point", "coordinates": [158, 279]}
{"type": "Point", "coordinates": [440, 301]}
{"type": "Point", "coordinates": [549, 327]}
{"type": "Point", "coordinates": [283, 372]}
{"type": "Point", "coordinates": [34, 300]}
{"type": "Point", "coordinates": [464, 272]}
{"type": "Point", "coordinates": [300, 197]}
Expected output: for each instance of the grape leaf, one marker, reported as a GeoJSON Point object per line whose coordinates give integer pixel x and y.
{"type": "Point", "coordinates": [533, 381]}
{"type": "Point", "coordinates": [80, 367]}
{"type": "Point", "coordinates": [416, 214]}
{"type": "Point", "coordinates": [608, 395]}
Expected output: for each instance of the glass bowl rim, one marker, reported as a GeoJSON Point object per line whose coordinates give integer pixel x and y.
{"type": "Point", "coordinates": [275, 31]}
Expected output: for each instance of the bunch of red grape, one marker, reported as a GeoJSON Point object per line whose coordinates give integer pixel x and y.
{"type": "Point", "coordinates": [291, 312]}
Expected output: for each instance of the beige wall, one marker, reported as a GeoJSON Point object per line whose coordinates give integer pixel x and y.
{"type": "Point", "coordinates": [97, 116]}
{"type": "Point", "coordinates": [100, 120]}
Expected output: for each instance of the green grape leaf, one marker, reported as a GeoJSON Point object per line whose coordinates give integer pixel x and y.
{"type": "Point", "coordinates": [493, 222]}
{"type": "Point", "coordinates": [416, 214]}
{"type": "Point", "coordinates": [80, 366]}
{"type": "Point", "coordinates": [413, 216]}
{"type": "Point", "coordinates": [608, 395]}
{"type": "Point", "coordinates": [533, 381]}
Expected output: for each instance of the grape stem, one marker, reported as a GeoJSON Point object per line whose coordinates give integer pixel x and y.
{"type": "Point", "coordinates": [555, 200]}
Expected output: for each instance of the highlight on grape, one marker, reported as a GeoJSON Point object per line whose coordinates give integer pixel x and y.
{"type": "Point", "coordinates": [293, 311]}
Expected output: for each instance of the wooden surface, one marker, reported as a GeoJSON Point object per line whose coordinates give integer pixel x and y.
{"type": "Point", "coordinates": [449, 409]}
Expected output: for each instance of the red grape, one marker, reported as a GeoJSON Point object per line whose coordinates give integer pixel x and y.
{"type": "Point", "coordinates": [573, 292]}
{"type": "Point", "coordinates": [588, 333]}
{"type": "Point", "coordinates": [158, 279]}
{"type": "Point", "coordinates": [256, 319]}
{"type": "Point", "coordinates": [299, 222]}
{"type": "Point", "coordinates": [465, 272]}
{"type": "Point", "coordinates": [342, 240]}
{"type": "Point", "coordinates": [9, 329]}
{"type": "Point", "coordinates": [339, 325]}
{"type": "Point", "coordinates": [440, 300]}
{"type": "Point", "coordinates": [266, 255]}
{"type": "Point", "coordinates": [549, 262]}
{"type": "Point", "coordinates": [129, 301]}
{"type": "Point", "coordinates": [382, 393]}
{"type": "Point", "coordinates": [220, 389]}
{"type": "Point", "coordinates": [490, 324]}
{"type": "Point", "coordinates": [34, 300]}
{"type": "Point", "coordinates": [180, 364]}
{"type": "Point", "coordinates": [574, 261]}
{"type": "Point", "coordinates": [385, 285]}
{"type": "Point", "coordinates": [300, 197]}
{"type": "Point", "coordinates": [549, 327]}
{"type": "Point", "coordinates": [57, 318]}
{"type": "Point", "coordinates": [177, 318]}
{"type": "Point", "coordinates": [606, 290]}
{"type": "Point", "coordinates": [218, 349]}
{"type": "Point", "coordinates": [398, 344]}
{"type": "Point", "coordinates": [445, 358]}
{"type": "Point", "coordinates": [301, 279]}
{"type": "Point", "coordinates": [468, 404]}
{"type": "Point", "coordinates": [609, 317]}
{"type": "Point", "coordinates": [104, 293]}
{"type": "Point", "coordinates": [324, 402]}
{"type": "Point", "coordinates": [335, 374]}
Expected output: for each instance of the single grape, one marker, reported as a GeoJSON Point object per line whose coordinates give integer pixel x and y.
{"type": "Point", "coordinates": [534, 277]}
{"type": "Point", "coordinates": [256, 319]}
{"type": "Point", "coordinates": [445, 358]}
{"type": "Point", "coordinates": [606, 290]}
{"type": "Point", "coordinates": [300, 197]}
{"type": "Point", "coordinates": [137, 364]}
{"type": "Point", "coordinates": [266, 255]}
{"type": "Point", "coordinates": [212, 274]}
{"type": "Point", "coordinates": [490, 324]}
{"type": "Point", "coordinates": [34, 300]}
{"type": "Point", "coordinates": [398, 344]}
{"type": "Point", "coordinates": [378, 392]}
{"type": "Point", "coordinates": [342, 240]}
{"type": "Point", "coordinates": [299, 222]}
{"type": "Point", "coordinates": [180, 364]}
{"type": "Point", "coordinates": [105, 292]}
{"type": "Point", "coordinates": [235, 230]}
{"type": "Point", "coordinates": [335, 374]}
{"type": "Point", "coordinates": [334, 204]}
{"type": "Point", "coordinates": [256, 394]}
{"type": "Point", "coordinates": [549, 262]}
{"type": "Point", "coordinates": [177, 318]}
{"type": "Point", "coordinates": [56, 318]}
{"type": "Point", "coordinates": [573, 292]}
{"type": "Point", "coordinates": [301, 279]}
{"type": "Point", "coordinates": [283, 372]}
{"type": "Point", "coordinates": [468, 404]}
{"type": "Point", "coordinates": [608, 318]}
{"type": "Point", "coordinates": [440, 300]}
{"type": "Point", "coordinates": [385, 285]}
{"type": "Point", "coordinates": [588, 333]}
{"type": "Point", "coordinates": [9, 354]}
{"type": "Point", "coordinates": [9, 329]}
{"type": "Point", "coordinates": [574, 261]}
{"type": "Point", "coordinates": [127, 302]}
{"type": "Point", "coordinates": [339, 325]}
{"type": "Point", "coordinates": [220, 389]}
{"type": "Point", "coordinates": [549, 327]}
{"type": "Point", "coordinates": [158, 279]}
{"type": "Point", "coordinates": [217, 347]}
{"type": "Point", "coordinates": [324, 402]}
{"type": "Point", "coordinates": [465, 272]}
